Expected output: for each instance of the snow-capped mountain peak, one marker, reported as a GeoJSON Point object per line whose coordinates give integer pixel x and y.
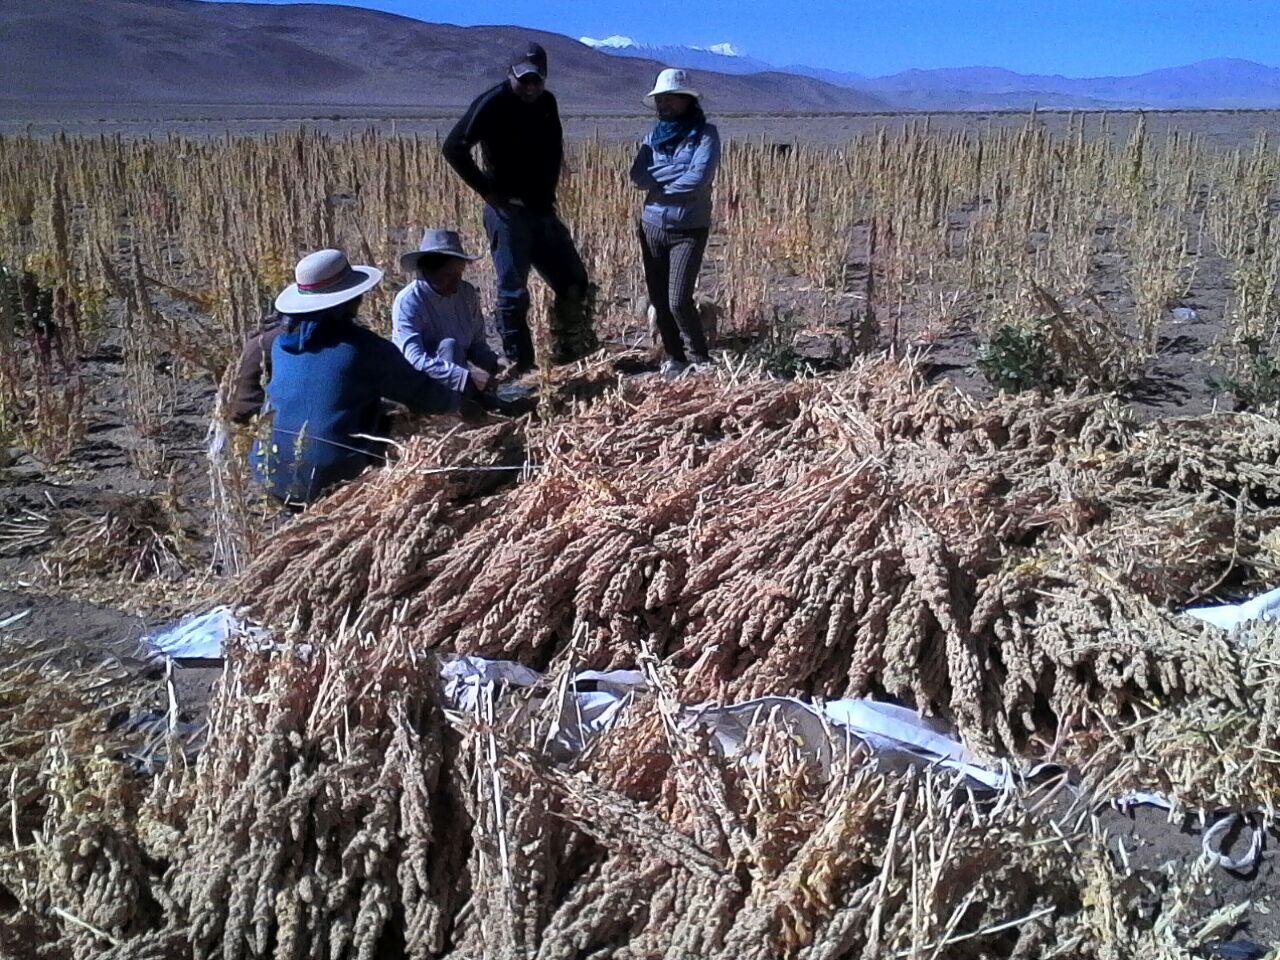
{"type": "Point", "coordinates": [721, 57]}
{"type": "Point", "coordinates": [724, 49]}
{"type": "Point", "coordinates": [616, 42]}
{"type": "Point", "coordinates": [619, 42]}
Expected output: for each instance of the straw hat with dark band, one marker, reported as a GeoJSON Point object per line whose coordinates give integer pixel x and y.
{"type": "Point", "coordinates": [325, 279]}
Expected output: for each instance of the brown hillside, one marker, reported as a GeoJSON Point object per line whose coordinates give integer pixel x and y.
{"type": "Point", "coordinates": [150, 52]}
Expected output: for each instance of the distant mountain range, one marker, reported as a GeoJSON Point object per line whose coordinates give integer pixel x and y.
{"type": "Point", "coordinates": [57, 56]}
{"type": "Point", "coordinates": [1208, 84]}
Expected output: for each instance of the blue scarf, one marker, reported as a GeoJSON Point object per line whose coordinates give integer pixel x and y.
{"type": "Point", "coordinates": [667, 133]}
{"type": "Point", "coordinates": [299, 333]}
{"type": "Point", "coordinates": [308, 332]}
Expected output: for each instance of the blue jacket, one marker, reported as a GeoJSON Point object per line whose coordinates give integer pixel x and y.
{"type": "Point", "coordinates": [320, 398]}
{"type": "Point", "coordinates": [678, 180]}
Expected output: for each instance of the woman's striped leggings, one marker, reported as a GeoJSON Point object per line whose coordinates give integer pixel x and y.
{"type": "Point", "coordinates": [672, 259]}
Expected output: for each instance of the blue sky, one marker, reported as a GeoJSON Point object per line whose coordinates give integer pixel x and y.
{"type": "Point", "coordinates": [1072, 37]}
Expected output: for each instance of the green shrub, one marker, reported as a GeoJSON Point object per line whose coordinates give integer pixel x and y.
{"type": "Point", "coordinates": [1018, 356]}
{"type": "Point", "coordinates": [1256, 382]}
{"type": "Point", "coordinates": [776, 350]}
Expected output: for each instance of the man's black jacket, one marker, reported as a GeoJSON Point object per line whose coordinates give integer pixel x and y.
{"type": "Point", "coordinates": [522, 145]}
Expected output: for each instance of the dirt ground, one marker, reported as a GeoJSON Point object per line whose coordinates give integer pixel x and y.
{"type": "Point", "coordinates": [1150, 840]}
{"type": "Point", "coordinates": [1176, 384]}
{"type": "Point", "coordinates": [57, 617]}
{"type": "Point", "coordinates": [102, 477]}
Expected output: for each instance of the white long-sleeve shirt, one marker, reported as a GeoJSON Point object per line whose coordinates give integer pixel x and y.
{"type": "Point", "coordinates": [421, 318]}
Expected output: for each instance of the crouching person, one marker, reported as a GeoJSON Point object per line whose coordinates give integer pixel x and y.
{"type": "Point", "coordinates": [329, 379]}
{"type": "Point", "coordinates": [436, 319]}
{"type": "Point", "coordinates": [248, 391]}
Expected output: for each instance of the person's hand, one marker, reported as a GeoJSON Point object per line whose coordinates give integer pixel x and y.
{"type": "Point", "coordinates": [479, 378]}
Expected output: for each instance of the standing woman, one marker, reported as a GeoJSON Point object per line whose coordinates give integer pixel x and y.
{"type": "Point", "coordinates": [675, 167]}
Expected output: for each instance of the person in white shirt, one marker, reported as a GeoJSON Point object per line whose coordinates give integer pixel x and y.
{"type": "Point", "coordinates": [436, 319]}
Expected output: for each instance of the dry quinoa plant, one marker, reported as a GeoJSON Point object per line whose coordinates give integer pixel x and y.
{"type": "Point", "coordinates": [1012, 566]}
{"type": "Point", "coordinates": [311, 822]}
{"type": "Point", "coordinates": [136, 539]}
{"type": "Point", "coordinates": [336, 811]}
{"type": "Point", "coordinates": [970, 215]}
{"type": "Point", "coordinates": [69, 855]}
{"type": "Point", "coordinates": [329, 818]}
{"type": "Point", "coordinates": [1204, 750]}
{"type": "Point", "coordinates": [836, 538]}
{"type": "Point", "coordinates": [41, 391]}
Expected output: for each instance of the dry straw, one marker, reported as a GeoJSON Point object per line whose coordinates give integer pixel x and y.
{"type": "Point", "coordinates": [864, 534]}
{"type": "Point", "coordinates": [1005, 565]}
{"type": "Point", "coordinates": [1010, 566]}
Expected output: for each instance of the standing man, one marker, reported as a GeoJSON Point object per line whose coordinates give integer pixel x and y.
{"type": "Point", "coordinates": [517, 125]}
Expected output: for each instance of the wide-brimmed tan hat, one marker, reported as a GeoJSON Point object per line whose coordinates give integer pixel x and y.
{"type": "Point", "coordinates": [446, 242]}
{"type": "Point", "coordinates": [674, 80]}
{"type": "Point", "coordinates": [325, 279]}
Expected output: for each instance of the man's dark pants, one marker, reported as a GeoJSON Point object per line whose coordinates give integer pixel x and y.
{"type": "Point", "coordinates": [519, 240]}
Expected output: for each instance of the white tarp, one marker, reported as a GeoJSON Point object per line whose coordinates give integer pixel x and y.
{"type": "Point", "coordinates": [1230, 616]}
{"type": "Point", "coordinates": [887, 727]}
{"type": "Point", "coordinates": [201, 637]}
{"type": "Point", "coordinates": [466, 679]}
{"type": "Point", "coordinates": [895, 735]}
{"type": "Point", "coordinates": [593, 700]}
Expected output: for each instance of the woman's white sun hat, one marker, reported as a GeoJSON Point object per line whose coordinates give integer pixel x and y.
{"type": "Point", "coordinates": [674, 80]}
{"type": "Point", "coordinates": [435, 241]}
{"type": "Point", "coordinates": [325, 279]}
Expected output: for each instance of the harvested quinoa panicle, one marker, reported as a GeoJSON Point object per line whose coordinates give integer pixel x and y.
{"type": "Point", "coordinates": [1012, 567]}
{"type": "Point", "coordinates": [1008, 566]}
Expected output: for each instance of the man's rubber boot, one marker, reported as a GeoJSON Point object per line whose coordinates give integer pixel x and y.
{"type": "Point", "coordinates": [572, 333]}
